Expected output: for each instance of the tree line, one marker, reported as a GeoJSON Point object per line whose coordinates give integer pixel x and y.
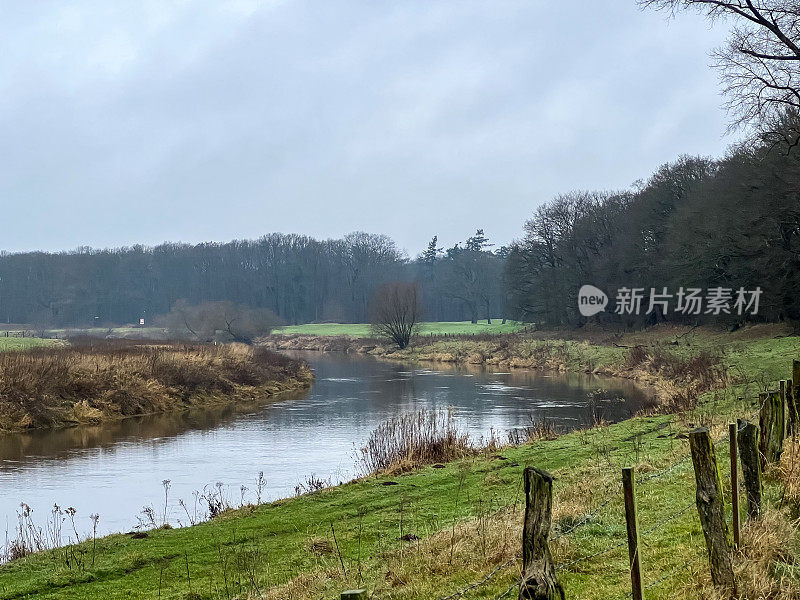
{"type": "Point", "coordinates": [715, 226]}
{"type": "Point", "coordinates": [696, 223]}
{"type": "Point", "coordinates": [298, 278]}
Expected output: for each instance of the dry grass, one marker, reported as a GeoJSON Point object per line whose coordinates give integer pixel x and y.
{"type": "Point", "coordinates": [96, 379]}
{"type": "Point", "coordinates": [688, 376]}
{"type": "Point", "coordinates": [413, 439]}
{"type": "Point", "coordinates": [533, 432]}
{"type": "Point", "coordinates": [788, 473]}
{"type": "Point", "coordinates": [764, 567]}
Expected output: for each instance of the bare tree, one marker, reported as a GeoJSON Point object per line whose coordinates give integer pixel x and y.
{"type": "Point", "coordinates": [760, 63]}
{"type": "Point", "coordinates": [395, 311]}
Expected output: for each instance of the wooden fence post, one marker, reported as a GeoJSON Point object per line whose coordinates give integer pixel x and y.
{"type": "Point", "coordinates": [354, 595]}
{"type": "Point", "coordinates": [782, 392]}
{"type": "Point", "coordinates": [751, 466]}
{"type": "Point", "coordinates": [628, 488]}
{"type": "Point", "coordinates": [793, 398]}
{"type": "Point", "coordinates": [734, 482]}
{"type": "Point", "coordinates": [771, 422]}
{"type": "Point", "coordinates": [787, 393]}
{"type": "Point", "coordinates": [796, 379]}
{"type": "Point", "coordinates": [539, 580]}
{"type": "Point", "coordinates": [711, 507]}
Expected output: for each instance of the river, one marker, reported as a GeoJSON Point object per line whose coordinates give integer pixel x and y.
{"type": "Point", "coordinates": [114, 470]}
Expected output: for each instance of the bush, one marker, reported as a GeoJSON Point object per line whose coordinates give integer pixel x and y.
{"type": "Point", "coordinates": [221, 321]}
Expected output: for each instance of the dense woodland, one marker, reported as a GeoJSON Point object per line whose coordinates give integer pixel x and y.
{"type": "Point", "coordinates": [733, 222]}
{"type": "Point", "coordinates": [297, 277]}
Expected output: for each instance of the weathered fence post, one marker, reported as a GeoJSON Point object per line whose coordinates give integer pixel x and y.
{"type": "Point", "coordinates": [771, 422]}
{"type": "Point", "coordinates": [787, 393]}
{"type": "Point", "coordinates": [751, 466]}
{"type": "Point", "coordinates": [711, 507]}
{"type": "Point", "coordinates": [793, 398]}
{"type": "Point", "coordinates": [796, 379]}
{"type": "Point", "coordinates": [539, 580]}
{"type": "Point", "coordinates": [354, 595]}
{"type": "Point", "coordinates": [628, 488]}
{"type": "Point", "coordinates": [782, 392]}
{"type": "Point", "coordinates": [734, 482]}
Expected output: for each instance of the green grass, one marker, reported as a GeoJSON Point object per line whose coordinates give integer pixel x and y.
{"type": "Point", "coordinates": [15, 343]}
{"type": "Point", "coordinates": [427, 328]}
{"type": "Point", "coordinates": [280, 532]}
{"type": "Point", "coordinates": [275, 540]}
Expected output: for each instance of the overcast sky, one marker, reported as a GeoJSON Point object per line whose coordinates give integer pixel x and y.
{"type": "Point", "coordinates": [142, 122]}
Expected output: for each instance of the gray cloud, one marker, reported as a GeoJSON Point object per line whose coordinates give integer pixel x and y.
{"type": "Point", "coordinates": [132, 122]}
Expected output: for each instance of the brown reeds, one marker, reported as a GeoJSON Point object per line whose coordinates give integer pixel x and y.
{"type": "Point", "coordinates": [414, 439]}
{"type": "Point", "coordinates": [691, 375]}
{"type": "Point", "coordinates": [92, 379]}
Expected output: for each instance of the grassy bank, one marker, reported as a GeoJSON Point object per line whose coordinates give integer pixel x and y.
{"type": "Point", "coordinates": [96, 380]}
{"type": "Point", "coordinates": [434, 531]}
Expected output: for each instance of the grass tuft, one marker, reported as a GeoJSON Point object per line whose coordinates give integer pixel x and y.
{"type": "Point", "coordinates": [414, 439]}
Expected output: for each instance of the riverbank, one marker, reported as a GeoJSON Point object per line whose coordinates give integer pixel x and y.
{"type": "Point", "coordinates": [677, 363]}
{"type": "Point", "coordinates": [438, 529]}
{"type": "Point", "coordinates": [94, 380]}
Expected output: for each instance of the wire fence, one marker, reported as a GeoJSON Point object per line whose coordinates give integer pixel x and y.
{"type": "Point", "coordinates": [585, 520]}
{"type": "Point", "coordinates": [589, 517]}
{"type": "Point", "coordinates": [664, 577]}
{"type": "Point", "coordinates": [613, 495]}
{"type": "Point", "coordinates": [509, 590]}
{"type": "Point", "coordinates": [483, 581]}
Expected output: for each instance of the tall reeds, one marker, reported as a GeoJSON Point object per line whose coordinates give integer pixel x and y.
{"type": "Point", "coordinates": [413, 439]}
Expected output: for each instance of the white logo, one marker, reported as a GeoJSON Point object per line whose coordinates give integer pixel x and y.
{"type": "Point", "coordinates": [591, 300]}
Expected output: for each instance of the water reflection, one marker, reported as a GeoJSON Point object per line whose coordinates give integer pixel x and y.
{"type": "Point", "coordinates": [19, 449]}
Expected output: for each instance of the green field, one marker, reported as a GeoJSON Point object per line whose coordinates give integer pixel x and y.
{"type": "Point", "coordinates": [427, 328]}
{"type": "Point", "coordinates": [142, 332]}
{"type": "Point", "coordinates": [18, 343]}
{"type": "Point", "coordinates": [467, 516]}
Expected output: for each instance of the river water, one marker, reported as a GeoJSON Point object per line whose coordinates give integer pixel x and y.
{"type": "Point", "coordinates": [115, 470]}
